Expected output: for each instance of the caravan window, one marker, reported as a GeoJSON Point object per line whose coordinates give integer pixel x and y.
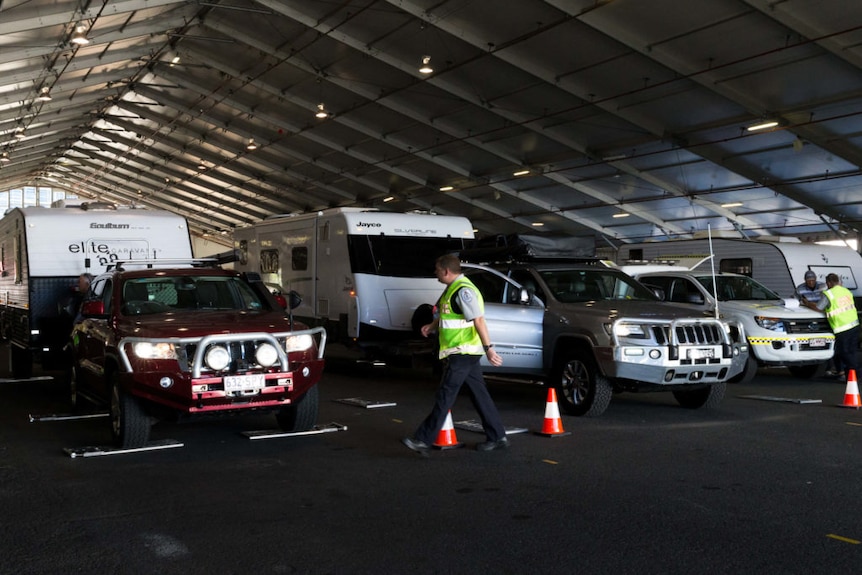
{"type": "Point", "coordinates": [398, 256]}
{"type": "Point", "coordinates": [269, 261]}
{"type": "Point", "coordinates": [736, 266]}
{"type": "Point", "coordinates": [298, 259]}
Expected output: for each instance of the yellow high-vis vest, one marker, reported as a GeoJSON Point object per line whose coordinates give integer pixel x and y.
{"type": "Point", "coordinates": [841, 312]}
{"type": "Point", "coordinates": [457, 335]}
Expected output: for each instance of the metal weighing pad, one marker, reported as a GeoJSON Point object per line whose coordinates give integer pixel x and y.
{"type": "Point", "coordinates": [366, 403]}
{"type": "Point", "coordinates": [66, 416]}
{"type": "Point", "coordinates": [269, 434]}
{"type": "Point", "coordinates": [475, 425]}
{"type": "Point", "coordinates": [99, 451]}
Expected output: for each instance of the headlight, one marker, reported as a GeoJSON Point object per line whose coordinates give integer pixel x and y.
{"type": "Point", "coordinates": [217, 358]}
{"type": "Point", "coordinates": [298, 343]}
{"type": "Point", "coordinates": [147, 350]}
{"type": "Point", "coordinates": [266, 355]}
{"type": "Point", "coordinates": [770, 323]}
{"type": "Point", "coordinates": [632, 330]}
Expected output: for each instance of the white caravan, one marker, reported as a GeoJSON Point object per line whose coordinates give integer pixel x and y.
{"type": "Point", "coordinates": [44, 250]}
{"type": "Point", "coordinates": [778, 263]}
{"type": "Point", "coordinates": [367, 276]}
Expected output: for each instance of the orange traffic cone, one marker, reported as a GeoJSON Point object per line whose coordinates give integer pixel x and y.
{"type": "Point", "coordinates": [553, 425]}
{"type": "Point", "coordinates": [446, 438]}
{"type": "Point", "coordinates": [851, 393]}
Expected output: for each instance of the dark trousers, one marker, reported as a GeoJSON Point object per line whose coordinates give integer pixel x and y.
{"type": "Point", "coordinates": [461, 370]}
{"type": "Point", "coordinates": [846, 349]}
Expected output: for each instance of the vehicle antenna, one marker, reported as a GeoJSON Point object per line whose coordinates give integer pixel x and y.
{"type": "Point", "coordinates": [712, 265]}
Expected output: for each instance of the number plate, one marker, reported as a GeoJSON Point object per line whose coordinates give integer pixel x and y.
{"type": "Point", "coordinates": [819, 342]}
{"type": "Point", "coordinates": [701, 353]}
{"type": "Point", "coordinates": [244, 382]}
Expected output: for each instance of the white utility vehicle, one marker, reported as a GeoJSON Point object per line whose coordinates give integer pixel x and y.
{"type": "Point", "coordinates": [780, 332]}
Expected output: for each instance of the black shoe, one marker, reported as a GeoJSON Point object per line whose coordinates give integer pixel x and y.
{"type": "Point", "coordinates": [416, 445]}
{"type": "Point", "coordinates": [491, 445]}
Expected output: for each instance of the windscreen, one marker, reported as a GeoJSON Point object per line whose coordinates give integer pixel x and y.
{"type": "Point", "coordinates": [569, 286]}
{"type": "Point", "coordinates": [738, 288]}
{"type": "Point", "coordinates": [399, 256]}
{"type": "Point", "coordinates": [144, 296]}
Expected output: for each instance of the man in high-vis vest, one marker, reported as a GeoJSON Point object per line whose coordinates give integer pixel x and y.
{"type": "Point", "coordinates": [464, 339]}
{"type": "Point", "coordinates": [837, 302]}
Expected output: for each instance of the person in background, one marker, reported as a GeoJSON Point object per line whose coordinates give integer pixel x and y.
{"type": "Point", "coordinates": [810, 290]}
{"type": "Point", "coordinates": [464, 338]}
{"type": "Point", "coordinates": [74, 306]}
{"type": "Point", "coordinates": [837, 303]}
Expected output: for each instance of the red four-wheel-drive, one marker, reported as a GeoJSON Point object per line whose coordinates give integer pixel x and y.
{"type": "Point", "coordinates": [159, 343]}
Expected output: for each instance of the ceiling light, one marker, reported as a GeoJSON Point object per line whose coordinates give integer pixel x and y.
{"type": "Point", "coordinates": [732, 205]}
{"type": "Point", "coordinates": [202, 166]}
{"type": "Point", "coordinates": [447, 188]}
{"type": "Point", "coordinates": [251, 145]}
{"type": "Point", "coordinates": [44, 94]}
{"type": "Point", "coordinates": [175, 60]}
{"type": "Point", "coordinates": [19, 132]}
{"type": "Point", "coordinates": [388, 199]}
{"type": "Point", "coordinates": [537, 224]}
{"type": "Point", "coordinates": [321, 111]}
{"type": "Point", "coordinates": [621, 215]}
{"type": "Point", "coordinates": [521, 173]}
{"type": "Point", "coordinates": [80, 37]}
{"type": "Point", "coordinates": [5, 157]}
{"type": "Point", "coordinates": [762, 125]}
{"type": "Point", "coordinates": [426, 65]}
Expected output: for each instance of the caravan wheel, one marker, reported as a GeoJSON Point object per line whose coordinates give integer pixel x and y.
{"type": "Point", "coordinates": [423, 315]}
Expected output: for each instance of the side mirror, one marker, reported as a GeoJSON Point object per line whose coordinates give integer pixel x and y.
{"type": "Point", "coordinates": [293, 299]}
{"type": "Point", "coordinates": [93, 308]}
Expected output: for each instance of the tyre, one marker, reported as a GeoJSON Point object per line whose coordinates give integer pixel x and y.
{"type": "Point", "coordinates": [22, 362]}
{"type": "Point", "coordinates": [582, 390]}
{"type": "Point", "coordinates": [747, 373]}
{"type": "Point", "coordinates": [708, 397]}
{"type": "Point", "coordinates": [130, 425]}
{"type": "Point", "coordinates": [302, 415]}
{"type": "Point", "coordinates": [807, 371]}
{"type": "Point", "coordinates": [423, 315]}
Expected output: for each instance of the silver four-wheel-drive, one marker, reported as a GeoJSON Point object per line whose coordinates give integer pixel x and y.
{"type": "Point", "coordinates": [589, 330]}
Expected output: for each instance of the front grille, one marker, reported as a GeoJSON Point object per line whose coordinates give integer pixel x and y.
{"type": "Point", "coordinates": [241, 348]}
{"type": "Point", "coordinates": [819, 325]}
{"type": "Point", "coordinates": [690, 334]}
{"type": "Point", "coordinates": [241, 356]}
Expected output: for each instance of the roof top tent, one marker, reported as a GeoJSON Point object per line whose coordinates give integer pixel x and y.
{"type": "Point", "coordinates": [44, 250]}
{"type": "Point", "coordinates": [779, 265]}
{"type": "Point", "coordinates": [365, 275]}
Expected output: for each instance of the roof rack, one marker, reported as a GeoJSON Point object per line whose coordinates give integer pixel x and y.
{"type": "Point", "coordinates": [532, 248]}
{"type": "Point", "coordinates": [122, 265]}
